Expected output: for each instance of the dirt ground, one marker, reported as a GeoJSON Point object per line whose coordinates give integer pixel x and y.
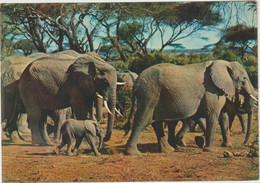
{"type": "Point", "coordinates": [26, 163]}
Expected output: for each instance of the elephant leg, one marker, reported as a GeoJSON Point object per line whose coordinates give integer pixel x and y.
{"type": "Point", "coordinates": [231, 117]}
{"type": "Point", "coordinates": [34, 119]}
{"type": "Point", "coordinates": [92, 144]}
{"type": "Point", "coordinates": [180, 135]}
{"type": "Point", "coordinates": [211, 122]}
{"type": "Point", "coordinates": [143, 116]}
{"type": "Point", "coordinates": [224, 125]}
{"type": "Point", "coordinates": [214, 105]}
{"type": "Point", "coordinates": [78, 142]}
{"type": "Point", "coordinates": [171, 134]}
{"type": "Point", "coordinates": [162, 141]}
{"type": "Point", "coordinates": [43, 130]}
{"type": "Point", "coordinates": [242, 121]}
{"type": "Point", "coordinates": [70, 142]}
{"type": "Point", "coordinates": [58, 117]}
{"type": "Point", "coordinates": [202, 124]}
{"type": "Point", "coordinates": [59, 147]}
{"type": "Point", "coordinates": [22, 124]}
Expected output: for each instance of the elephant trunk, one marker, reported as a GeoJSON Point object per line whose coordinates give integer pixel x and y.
{"type": "Point", "coordinates": [99, 107]}
{"type": "Point", "coordinates": [249, 124]}
{"type": "Point", "coordinates": [100, 142]}
{"type": "Point", "coordinates": [111, 116]}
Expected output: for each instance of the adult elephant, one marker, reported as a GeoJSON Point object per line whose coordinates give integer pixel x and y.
{"type": "Point", "coordinates": [49, 84]}
{"type": "Point", "coordinates": [12, 110]}
{"type": "Point", "coordinates": [167, 92]}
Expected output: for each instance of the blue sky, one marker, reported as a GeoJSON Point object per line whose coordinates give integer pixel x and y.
{"type": "Point", "coordinates": [213, 35]}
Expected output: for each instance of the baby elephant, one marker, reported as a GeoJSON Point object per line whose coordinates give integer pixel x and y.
{"type": "Point", "coordinates": [72, 130]}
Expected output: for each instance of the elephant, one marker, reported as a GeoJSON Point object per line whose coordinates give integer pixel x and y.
{"type": "Point", "coordinates": [241, 106]}
{"type": "Point", "coordinates": [52, 84]}
{"type": "Point", "coordinates": [76, 130]}
{"type": "Point", "coordinates": [168, 92]}
{"type": "Point", "coordinates": [12, 110]}
{"type": "Point", "coordinates": [125, 81]}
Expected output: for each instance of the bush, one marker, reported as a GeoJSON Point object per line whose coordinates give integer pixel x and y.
{"type": "Point", "coordinates": [141, 62]}
{"type": "Point", "coordinates": [124, 98]}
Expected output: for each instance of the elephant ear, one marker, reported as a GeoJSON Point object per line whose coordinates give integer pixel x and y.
{"type": "Point", "coordinates": [221, 76]}
{"type": "Point", "coordinates": [91, 126]}
{"type": "Point", "coordinates": [83, 66]}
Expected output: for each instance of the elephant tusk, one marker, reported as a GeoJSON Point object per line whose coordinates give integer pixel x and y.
{"type": "Point", "coordinates": [241, 101]}
{"type": "Point", "coordinates": [121, 83]}
{"type": "Point", "coordinates": [255, 99]}
{"type": "Point", "coordinates": [118, 112]}
{"type": "Point", "coordinates": [99, 96]}
{"type": "Point", "coordinates": [106, 106]}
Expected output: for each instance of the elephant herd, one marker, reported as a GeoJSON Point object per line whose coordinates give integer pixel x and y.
{"type": "Point", "coordinates": [67, 85]}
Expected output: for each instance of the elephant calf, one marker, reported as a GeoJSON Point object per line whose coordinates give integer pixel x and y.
{"type": "Point", "coordinates": [75, 130]}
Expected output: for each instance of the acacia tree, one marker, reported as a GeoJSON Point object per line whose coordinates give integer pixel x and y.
{"type": "Point", "coordinates": [130, 26]}
{"type": "Point", "coordinates": [241, 38]}
{"type": "Point", "coordinates": [184, 19]}
{"type": "Point", "coordinates": [56, 24]}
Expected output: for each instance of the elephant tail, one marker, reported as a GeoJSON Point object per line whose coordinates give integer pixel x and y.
{"type": "Point", "coordinates": [127, 126]}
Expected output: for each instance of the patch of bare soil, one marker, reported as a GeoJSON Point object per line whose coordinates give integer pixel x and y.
{"type": "Point", "coordinates": [26, 163]}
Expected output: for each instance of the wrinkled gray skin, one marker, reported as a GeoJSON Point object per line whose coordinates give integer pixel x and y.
{"type": "Point", "coordinates": [76, 130]}
{"type": "Point", "coordinates": [126, 77]}
{"type": "Point", "coordinates": [51, 84]}
{"type": "Point", "coordinates": [167, 92]}
{"type": "Point", "coordinates": [12, 110]}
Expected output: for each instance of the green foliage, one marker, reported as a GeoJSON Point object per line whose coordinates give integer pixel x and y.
{"type": "Point", "coordinates": [25, 45]}
{"type": "Point", "coordinates": [222, 51]}
{"type": "Point", "coordinates": [138, 64]}
{"type": "Point", "coordinates": [141, 62]}
{"type": "Point", "coordinates": [251, 66]}
{"type": "Point", "coordinates": [120, 65]}
{"type": "Point", "coordinates": [241, 38]}
{"type": "Point", "coordinates": [124, 97]}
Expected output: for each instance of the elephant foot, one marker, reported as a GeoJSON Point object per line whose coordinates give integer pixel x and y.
{"type": "Point", "coordinates": [181, 142]}
{"type": "Point", "coordinates": [226, 144]}
{"type": "Point", "coordinates": [173, 144]}
{"type": "Point", "coordinates": [69, 154]}
{"type": "Point", "coordinates": [56, 151]}
{"type": "Point", "coordinates": [164, 146]}
{"type": "Point", "coordinates": [209, 149]}
{"type": "Point", "coordinates": [200, 141]}
{"type": "Point", "coordinates": [132, 151]}
{"type": "Point", "coordinates": [14, 137]}
{"type": "Point", "coordinates": [97, 154]}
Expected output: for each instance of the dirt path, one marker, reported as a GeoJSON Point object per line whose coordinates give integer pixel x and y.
{"type": "Point", "coordinates": [25, 163]}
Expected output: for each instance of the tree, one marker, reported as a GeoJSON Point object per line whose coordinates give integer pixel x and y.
{"type": "Point", "coordinates": [25, 45]}
{"type": "Point", "coordinates": [241, 38]}
{"type": "Point", "coordinates": [184, 19]}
